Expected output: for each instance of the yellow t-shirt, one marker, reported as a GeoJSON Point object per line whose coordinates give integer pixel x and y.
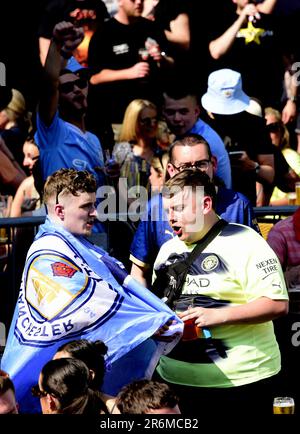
{"type": "Point", "coordinates": [237, 267]}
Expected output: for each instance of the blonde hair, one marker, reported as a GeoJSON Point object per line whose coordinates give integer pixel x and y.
{"type": "Point", "coordinates": [285, 135]}
{"type": "Point", "coordinates": [16, 109]}
{"type": "Point", "coordinates": [129, 129]}
{"type": "Point", "coordinates": [160, 164]}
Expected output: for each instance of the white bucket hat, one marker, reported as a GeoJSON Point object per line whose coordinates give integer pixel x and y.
{"type": "Point", "coordinates": [224, 94]}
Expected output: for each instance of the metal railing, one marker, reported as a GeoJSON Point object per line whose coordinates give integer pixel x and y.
{"type": "Point", "coordinates": [20, 233]}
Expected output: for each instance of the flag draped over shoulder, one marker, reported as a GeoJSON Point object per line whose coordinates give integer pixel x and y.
{"type": "Point", "coordinates": [72, 289]}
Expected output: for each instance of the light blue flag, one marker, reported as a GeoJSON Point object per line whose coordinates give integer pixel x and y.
{"type": "Point", "coordinates": [72, 289]}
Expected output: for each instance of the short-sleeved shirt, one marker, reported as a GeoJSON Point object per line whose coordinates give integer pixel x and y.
{"type": "Point", "coordinates": [236, 268]}
{"type": "Point", "coordinates": [282, 238]}
{"type": "Point", "coordinates": [64, 145]}
{"type": "Point", "coordinates": [217, 149]}
{"type": "Point", "coordinates": [116, 46]}
{"type": "Point", "coordinates": [154, 229]}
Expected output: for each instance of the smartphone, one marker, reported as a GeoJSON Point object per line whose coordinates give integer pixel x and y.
{"type": "Point", "coordinates": [236, 154]}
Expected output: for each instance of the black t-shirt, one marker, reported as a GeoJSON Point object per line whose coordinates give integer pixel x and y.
{"type": "Point", "coordinates": [259, 60]}
{"type": "Point", "coordinates": [116, 46]}
{"type": "Point", "coordinates": [243, 132]}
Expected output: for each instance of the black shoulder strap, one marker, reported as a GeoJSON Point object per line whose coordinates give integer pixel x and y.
{"type": "Point", "coordinates": [181, 267]}
{"type": "Point", "coordinates": [201, 245]}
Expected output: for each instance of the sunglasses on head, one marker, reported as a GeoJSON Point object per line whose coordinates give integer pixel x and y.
{"type": "Point", "coordinates": [68, 86]}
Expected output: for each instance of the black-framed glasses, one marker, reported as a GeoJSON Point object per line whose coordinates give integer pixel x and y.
{"type": "Point", "coordinates": [37, 392]}
{"type": "Point", "coordinates": [68, 86]}
{"type": "Point", "coordinates": [200, 165]}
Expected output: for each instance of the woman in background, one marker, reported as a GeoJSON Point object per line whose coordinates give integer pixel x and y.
{"type": "Point", "coordinates": [27, 197]}
{"type": "Point", "coordinates": [138, 142]}
{"type": "Point", "coordinates": [280, 137]}
{"type": "Point", "coordinates": [63, 388]}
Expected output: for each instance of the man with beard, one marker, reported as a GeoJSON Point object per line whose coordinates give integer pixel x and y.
{"type": "Point", "coordinates": [61, 134]}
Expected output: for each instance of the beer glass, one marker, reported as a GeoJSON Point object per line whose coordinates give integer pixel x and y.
{"type": "Point", "coordinates": [4, 211]}
{"type": "Point", "coordinates": [283, 405]}
{"type": "Point", "coordinates": [297, 190]}
{"type": "Point", "coordinates": [190, 331]}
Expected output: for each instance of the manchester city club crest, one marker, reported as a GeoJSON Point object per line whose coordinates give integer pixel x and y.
{"type": "Point", "coordinates": [61, 299]}
{"type": "Point", "coordinates": [210, 263]}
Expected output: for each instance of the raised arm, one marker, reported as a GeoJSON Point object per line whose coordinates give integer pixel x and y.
{"type": "Point", "coordinates": [180, 31]}
{"type": "Point", "coordinates": [266, 7]}
{"type": "Point", "coordinates": [221, 45]}
{"type": "Point", "coordinates": [65, 39]}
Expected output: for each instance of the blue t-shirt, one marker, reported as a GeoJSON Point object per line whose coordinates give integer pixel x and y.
{"type": "Point", "coordinates": [218, 149]}
{"type": "Point", "coordinates": [64, 145]}
{"type": "Point", "coordinates": [154, 229]}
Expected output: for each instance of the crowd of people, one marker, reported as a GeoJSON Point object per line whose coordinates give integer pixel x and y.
{"type": "Point", "coordinates": [121, 110]}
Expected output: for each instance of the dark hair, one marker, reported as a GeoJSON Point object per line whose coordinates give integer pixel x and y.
{"type": "Point", "coordinates": [92, 354]}
{"type": "Point", "coordinates": [141, 396]}
{"type": "Point", "coordinates": [6, 383]}
{"type": "Point", "coordinates": [67, 380]}
{"type": "Point", "coordinates": [176, 90]}
{"type": "Point", "coordinates": [190, 178]}
{"type": "Point", "coordinates": [190, 140]}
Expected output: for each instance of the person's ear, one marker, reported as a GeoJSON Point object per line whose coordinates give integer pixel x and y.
{"type": "Point", "coordinates": [207, 204]}
{"type": "Point", "coordinates": [60, 211]}
{"type": "Point", "coordinates": [52, 403]}
{"type": "Point", "coordinates": [214, 163]}
{"type": "Point", "coordinates": [92, 374]}
{"type": "Point", "coordinates": [170, 169]}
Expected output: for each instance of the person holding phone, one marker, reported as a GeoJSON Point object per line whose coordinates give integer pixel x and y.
{"type": "Point", "coordinates": [245, 135]}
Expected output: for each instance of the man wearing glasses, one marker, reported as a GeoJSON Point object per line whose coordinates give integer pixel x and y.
{"type": "Point", "coordinates": [192, 151]}
{"type": "Point", "coordinates": [61, 134]}
{"type": "Point", "coordinates": [181, 112]}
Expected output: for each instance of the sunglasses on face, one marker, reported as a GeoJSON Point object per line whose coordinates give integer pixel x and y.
{"type": "Point", "coordinates": [37, 392]}
{"type": "Point", "coordinates": [274, 127]}
{"type": "Point", "coordinates": [148, 121]}
{"type": "Point", "coordinates": [68, 86]}
{"type": "Point", "coordinates": [200, 165]}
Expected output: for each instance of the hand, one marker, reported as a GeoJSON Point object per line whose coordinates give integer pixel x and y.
{"type": "Point", "coordinates": [67, 37]}
{"type": "Point", "coordinates": [289, 112]}
{"type": "Point", "coordinates": [250, 10]}
{"type": "Point", "coordinates": [204, 317]}
{"type": "Point", "coordinates": [158, 335]}
{"type": "Point", "coordinates": [112, 169]}
{"type": "Point", "coordinates": [153, 49]}
{"type": "Point", "coordinates": [140, 70]}
{"type": "Point", "coordinates": [242, 162]}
